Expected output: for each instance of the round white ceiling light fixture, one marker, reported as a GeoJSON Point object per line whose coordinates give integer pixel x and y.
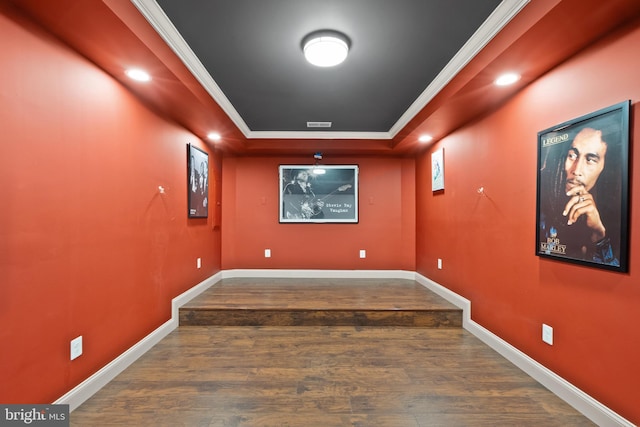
{"type": "Point", "coordinates": [326, 48]}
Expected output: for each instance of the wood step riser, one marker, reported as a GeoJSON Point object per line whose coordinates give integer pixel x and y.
{"type": "Point", "coordinates": [250, 317]}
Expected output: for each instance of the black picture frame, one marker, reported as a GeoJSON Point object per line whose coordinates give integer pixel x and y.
{"type": "Point", "coordinates": [582, 205]}
{"type": "Point", "coordinates": [318, 194]}
{"type": "Point", "coordinates": [197, 182]}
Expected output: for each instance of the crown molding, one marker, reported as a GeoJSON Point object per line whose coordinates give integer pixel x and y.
{"type": "Point", "coordinates": [169, 33]}
{"type": "Point", "coordinates": [500, 17]}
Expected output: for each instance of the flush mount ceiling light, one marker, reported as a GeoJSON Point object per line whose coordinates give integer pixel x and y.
{"type": "Point", "coordinates": [138, 75]}
{"type": "Point", "coordinates": [325, 48]}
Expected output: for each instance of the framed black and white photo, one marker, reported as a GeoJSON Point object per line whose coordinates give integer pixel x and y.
{"type": "Point", "coordinates": [318, 194]}
{"type": "Point", "coordinates": [583, 190]}
{"type": "Point", "coordinates": [198, 182]}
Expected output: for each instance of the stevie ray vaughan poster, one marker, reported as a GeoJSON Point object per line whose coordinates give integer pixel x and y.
{"type": "Point", "coordinates": [318, 194]}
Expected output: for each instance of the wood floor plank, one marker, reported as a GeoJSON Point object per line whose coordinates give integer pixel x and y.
{"type": "Point", "coordinates": [319, 294]}
{"type": "Point", "coordinates": [323, 376]}
{"type": "Point", "coordinates": [319, 302]}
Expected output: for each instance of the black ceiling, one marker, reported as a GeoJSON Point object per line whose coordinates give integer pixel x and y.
{"type": "Point", "coordinates": [248, 55]}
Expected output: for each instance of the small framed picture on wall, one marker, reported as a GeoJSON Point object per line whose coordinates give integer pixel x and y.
{"type": "Point", "coordinates": [437, 170]}
{"type": "Point", "coordinates": [198, 182]}
{"type": "Point", "coordinates": [583, 190]}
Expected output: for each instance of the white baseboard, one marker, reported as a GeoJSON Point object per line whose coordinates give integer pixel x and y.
{"type": "Point", "coordinates": [321, 274]}
{"type": "Point", "coordinates": [450, 296]}
{"type": "Point", "coordinates": [95, 382]}
{"type": "Point", "coordinates": [581, 401]}
{"type": "Point", "coordinates": [588, 406]}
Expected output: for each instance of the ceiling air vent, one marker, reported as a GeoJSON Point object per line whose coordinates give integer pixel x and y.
{"type": "Point", "coordinates": [318, 124]}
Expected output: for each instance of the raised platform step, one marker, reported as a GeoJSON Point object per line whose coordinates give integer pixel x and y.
{"type": "Point", "coordinates": [319, 302]}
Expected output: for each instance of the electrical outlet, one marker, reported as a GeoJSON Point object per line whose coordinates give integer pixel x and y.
{"type": "Point", "coordinates": [267, 253]}
{"type": "Point", "coordinates": [76, 347]}
{"type": "Point", "coordinates": [199, 262]}
{"type": "Point", "coordinates": [363, 253]}
{"type": "Point", "coordinates": [439, 264]}
{"type": "Point", "coordinates": [547, 334]}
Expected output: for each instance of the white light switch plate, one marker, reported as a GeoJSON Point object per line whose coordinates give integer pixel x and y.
{"type": "Point", "coordinates": [547, 334]}
{"type": "Point", "coordinates": [76, 347]}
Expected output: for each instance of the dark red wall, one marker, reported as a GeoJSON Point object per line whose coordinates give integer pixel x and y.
{"type": "Point", "coordinates": [88, 245]}
{"type": "Point", "coordinates": [386, 227]}
{"type": "Point", "coordinates": [487, 241]}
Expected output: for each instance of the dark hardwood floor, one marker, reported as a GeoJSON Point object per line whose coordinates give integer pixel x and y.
{"type": "Point", "coordinates": [319, 302]}
{"type": "Point", "coordinates": [323, 376]}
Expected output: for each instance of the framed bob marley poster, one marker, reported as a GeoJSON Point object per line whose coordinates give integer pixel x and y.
{"type": "Point", "coordinates": [583, 190]}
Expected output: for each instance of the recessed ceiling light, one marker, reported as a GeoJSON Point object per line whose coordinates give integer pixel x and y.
{"type": "Point", "coordinates": [325, 48]}
{"type": "Point", "coordinates": [138, 75]}
{"type": "Point", "coordinates": [507, 79]}
{"type": "Point", "coordinates": [425, 138]}
{"type": "Point", "coordinates": [213, 136]}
